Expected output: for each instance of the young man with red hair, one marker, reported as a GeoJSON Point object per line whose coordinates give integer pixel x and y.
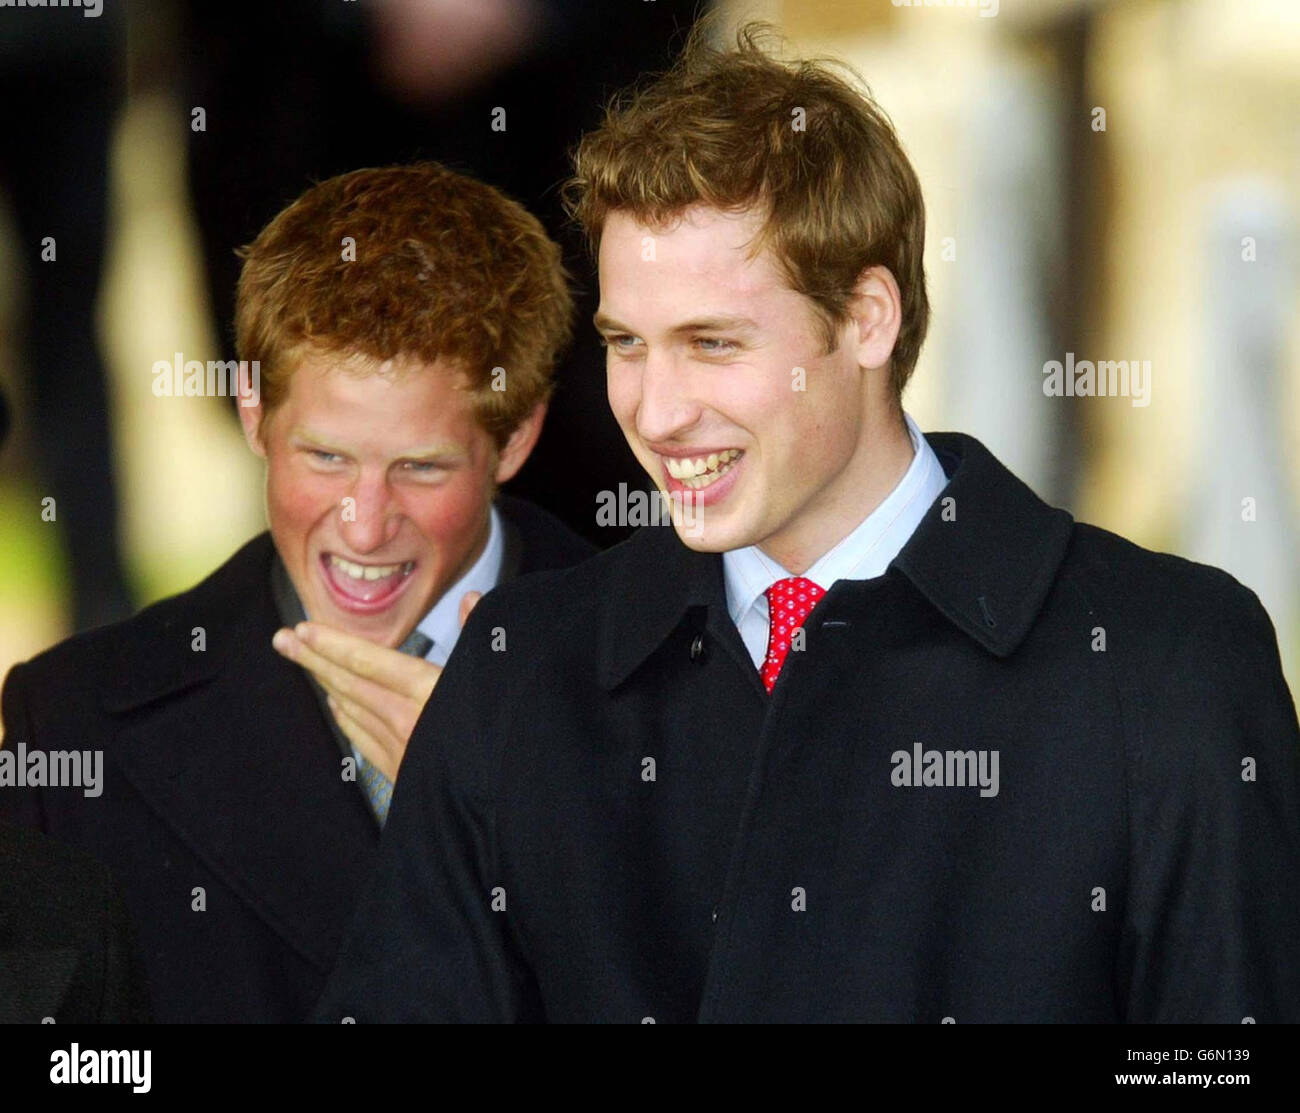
{"type": "Point", "coordinates": [405, 321]}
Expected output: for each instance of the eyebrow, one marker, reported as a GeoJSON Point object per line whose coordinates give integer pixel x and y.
{"type": "Point", "coordinates": [604, 323]}
{"type": "Point", "coordinates": [426, 452]}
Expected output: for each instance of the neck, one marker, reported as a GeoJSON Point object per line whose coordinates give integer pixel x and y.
{"type": "Point", "coordinates": [883, 455]}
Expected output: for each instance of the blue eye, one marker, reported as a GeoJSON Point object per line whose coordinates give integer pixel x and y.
{"type": "Point", "coordinates": [325, 457]}
{"type": "Point", "coordinates": [722, 346]}
{"type": "Point", "coordinates": [619, 343]}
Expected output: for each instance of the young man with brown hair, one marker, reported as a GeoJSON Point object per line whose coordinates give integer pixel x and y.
{"type": "Point", "coordinates": [874, 734]}
{"type": "Point", "coordinates": [405, 322]}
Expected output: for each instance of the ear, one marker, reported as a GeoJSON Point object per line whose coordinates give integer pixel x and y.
{"type": "Point", "coordinates": [251, 419]}
{"type": "Point", "coordinates": [517, 449]}
{"type": "Point", "coordinates": [877, 313]}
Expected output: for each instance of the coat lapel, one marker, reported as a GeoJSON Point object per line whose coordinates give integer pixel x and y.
{"type": "Point", "coordinates": [245, 771]}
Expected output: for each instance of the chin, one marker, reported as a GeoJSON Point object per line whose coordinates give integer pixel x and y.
{"type": "Point", "coordinates": [705, 540]}
{"type": "Point", "coordinates": [701, 542]}
{"type": "Point", "coordinates": [382, 629]}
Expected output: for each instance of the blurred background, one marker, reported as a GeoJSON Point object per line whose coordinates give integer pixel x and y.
{"type": "Point", "coordinates": [1104, 180]}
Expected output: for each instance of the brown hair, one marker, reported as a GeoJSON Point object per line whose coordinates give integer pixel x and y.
{"type": "Point", "coordinates": [445, 267]}
{"type": "Point", "coordinates": [739, 127]}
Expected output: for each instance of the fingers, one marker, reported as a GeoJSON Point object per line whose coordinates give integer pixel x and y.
{"type": "Point", "coordinates": [468, 603]}
{"type": "Point", "coordinates": [335, 678]}
{"type": "Point", "coordinates": [375, 728]}
{"type": "Point", "coordinates": [377, 719]}
{"type": "Point", "coordinates": [366, 744]}
{"type": "Point", "coordinates": [399, 672]}
{"type": "Point", "coordinates": [386, 670]}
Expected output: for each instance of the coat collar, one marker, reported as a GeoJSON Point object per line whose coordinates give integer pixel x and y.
{"type": "Point", "coordinates": [177, 643]}
{"type": "Point", "coordinates": [985, 556]}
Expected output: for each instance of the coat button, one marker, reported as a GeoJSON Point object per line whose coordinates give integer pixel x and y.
{"type": "Point", "coordinates": [714, 917]}
{"type": "Point", "coordinates": [697, 648]}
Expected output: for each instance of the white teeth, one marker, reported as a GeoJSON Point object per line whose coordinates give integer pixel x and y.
{"type": "Point", "coordinates": [686, 469]}
{"type": "Point", "coordinates": [369, 572]}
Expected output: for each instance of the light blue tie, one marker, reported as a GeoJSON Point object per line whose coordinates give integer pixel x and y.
{"type": "Point", "coordinates": [377, 787]}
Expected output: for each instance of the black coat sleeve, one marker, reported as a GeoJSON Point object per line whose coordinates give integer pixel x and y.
{"type": "Point", "coordinates": [431, 941]}
{"type": "Point", "coordinates": [125, 995]}
{"type": "Point", "coordinates": [67, 949]}
{"type": "Point", "coordinates": [1212, 921]}
{"type": "Point", "coordinates": [82, 902]}
{"type": "Point", "coordinates": [19, 807]}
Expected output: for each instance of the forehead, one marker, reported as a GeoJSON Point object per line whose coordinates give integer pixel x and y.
{"type": "Point", "coordinates": [703, 249]}
{"type": "Point", "coordinates": [333, 378]}
{"type": "Point", "coordinates": [382, 401]}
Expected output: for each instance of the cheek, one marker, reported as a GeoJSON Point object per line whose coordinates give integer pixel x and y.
{"type": "Point", "coordinates": [449, 516]}
{"type": "Point", "coordinates": [796, 430]}
{"type": "Point", "coordinates": [824, 412]}
{"type": "Point", "coordinates": [764, 405]}
{"type": "Point", "coordinates": [297, 502]}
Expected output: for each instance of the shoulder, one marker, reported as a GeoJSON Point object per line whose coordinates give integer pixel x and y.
{"type": "Point", "coordinates": [129, 662]}
{"type": "Point", "coordinates": [573, 592]}
{"type": "Point", "coordinates": [541, 626]}
{"type": "Point", "coordinates": [1194, 653]}
{"type": "Point", "coordinates": [1163, 595]}
{"type": "Point", "coordinates": [555, 618]}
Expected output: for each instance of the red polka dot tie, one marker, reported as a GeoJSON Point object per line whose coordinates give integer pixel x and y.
{"type": "Point", "coordinates": [789, 602]}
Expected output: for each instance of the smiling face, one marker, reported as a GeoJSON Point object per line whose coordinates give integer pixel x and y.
{"type": "Point", "coordinates": [378, 486]}
{"type": "Point", "coordinates": [718, 376]}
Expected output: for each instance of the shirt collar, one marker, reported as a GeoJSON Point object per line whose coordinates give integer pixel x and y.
{"type": "Point", "coordinates": [442, 624]}
{"type": "Point", "coordinates": [861, 554]}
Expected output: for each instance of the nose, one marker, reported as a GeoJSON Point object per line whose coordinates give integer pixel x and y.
{"type": "Point", "coordinates": [369, 517]}
{"type": "Point", "coordinates": [667, 407]}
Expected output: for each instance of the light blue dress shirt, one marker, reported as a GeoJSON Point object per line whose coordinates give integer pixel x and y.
{"type": "Point", "coordinates": [442, 624]}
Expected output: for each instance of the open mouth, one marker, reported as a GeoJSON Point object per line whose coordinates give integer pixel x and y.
{"type": "Point", "coordinates": [702, 471]}
{"type": "Point", "coordinates": [698, 474]}
{"type": "Point", "coordinates": [364, 587]}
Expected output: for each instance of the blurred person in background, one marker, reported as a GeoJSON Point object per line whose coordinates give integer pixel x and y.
{"type": "Point", "coordinates": [400, 328]}
{"type": "Point", "coordinates": [61, 80]}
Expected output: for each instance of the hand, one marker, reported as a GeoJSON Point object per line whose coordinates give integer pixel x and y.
{"type": "Point", "coordinates": [375, 694]}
